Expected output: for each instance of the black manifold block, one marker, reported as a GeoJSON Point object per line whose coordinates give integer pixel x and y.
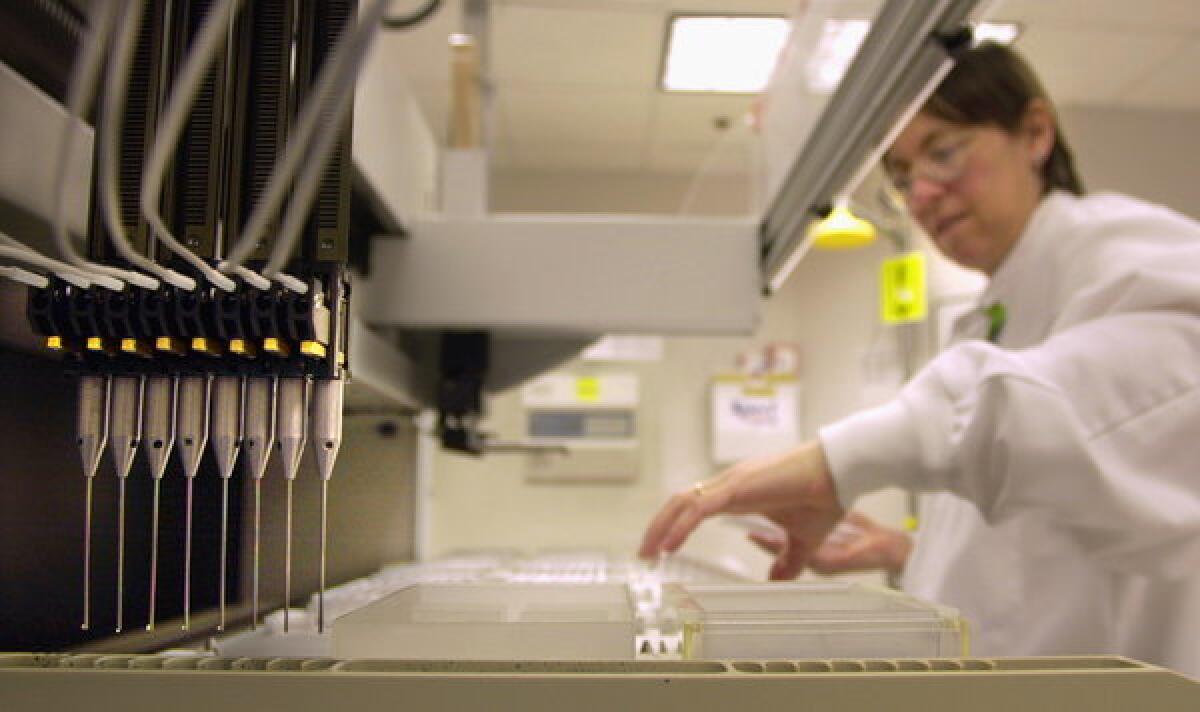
{"type": "Point", "coordinates": [207, 330]}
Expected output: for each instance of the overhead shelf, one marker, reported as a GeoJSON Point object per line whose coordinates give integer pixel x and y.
{"type": "Point", "coordinates": [567, 275]}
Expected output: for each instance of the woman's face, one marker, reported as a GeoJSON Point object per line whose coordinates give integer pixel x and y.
{"type": "Point", "coordinates": [972, 188]}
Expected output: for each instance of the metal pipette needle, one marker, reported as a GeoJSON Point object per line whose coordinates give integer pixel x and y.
{"type": "Point", "coordinates": [125, 417]}
{"type": "Point", "coordinates": [92, 427]}
{"type": "Point", "coordinates": [259, 437]}
{"type": "Point", "coordinates": [226, 440]}
{"type": "Point", "coordinates": [328, 396]}
{"type": "Point", "coordinates": [159, 436]}
{"type": "Point", "coordinates": [287, 557]}
{"type": "Point", "coordinates": [324, 552]}
{"type": "Point", "coordinates": [192, 435]}
{"type": "Point", "coordinates": [291, 432]}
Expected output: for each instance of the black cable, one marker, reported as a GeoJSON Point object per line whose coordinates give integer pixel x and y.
{"type": "Point", "coordinates": [404, 22]}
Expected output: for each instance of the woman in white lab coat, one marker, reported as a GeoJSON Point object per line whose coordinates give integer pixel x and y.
{"type": "Point", "coordinates": [1056, 442]}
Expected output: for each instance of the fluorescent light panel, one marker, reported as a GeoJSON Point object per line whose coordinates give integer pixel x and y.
{"type": "Point", "coordinates": [840, 40]}
{"type": "Point", "coordinates": [736, 54]}
{"type": "Point", "coordinates": [722, 53]}
{"type": "Point", "coordinates": [1004, 33]}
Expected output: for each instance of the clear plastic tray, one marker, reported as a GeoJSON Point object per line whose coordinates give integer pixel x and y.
{"type": "Point", "coordinates": [796, 621]}
{"type": "Point", "coordinates": [492, 621]}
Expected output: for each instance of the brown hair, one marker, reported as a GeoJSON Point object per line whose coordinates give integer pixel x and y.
{"type": "Point", "coordinates": [992, 84]}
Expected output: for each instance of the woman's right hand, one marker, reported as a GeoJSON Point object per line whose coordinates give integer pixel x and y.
{"type": "Point", "coordinates": [793, 489]}
{"type": "Point", "coordinates": [857, 543]}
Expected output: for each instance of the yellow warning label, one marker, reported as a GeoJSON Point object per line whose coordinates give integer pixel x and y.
{"type": "Point", "coordinates": [587, 389]}
{"type": "Point", "coordinates": [902, 296]}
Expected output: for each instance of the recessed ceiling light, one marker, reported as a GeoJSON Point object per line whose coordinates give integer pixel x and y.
{"type": "Point", "coordinates": [840, 40]}
{"type": "Point", "coordinates": [734, 54]}
{"type": "Point", "coordinates": [1004, 33]}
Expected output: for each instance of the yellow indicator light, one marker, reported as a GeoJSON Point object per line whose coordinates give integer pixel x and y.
{"type": "Point", "coordinates": [242, 347]}
{"type": "Point", "coordinates": [205, 346]}
{"type": "Point", "coordinates": [134, 346]}
{"type": "Point", "coordinates": [54, 343]}
{"type": "Point", "coordinates": [169, 344]}
{"type": "Point", "coordinates": [312, 348]}
{"type": "Point", "coordinates": [95, 343]}
{"type": "Point", "coordinates": [278, 347]}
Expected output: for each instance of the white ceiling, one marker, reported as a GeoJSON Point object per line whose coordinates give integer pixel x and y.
{"type": "Point", "coordinates": [575, 82]}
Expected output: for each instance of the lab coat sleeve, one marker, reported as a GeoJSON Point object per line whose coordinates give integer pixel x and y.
{"type": "Point", "coordinates": [1096, 432]}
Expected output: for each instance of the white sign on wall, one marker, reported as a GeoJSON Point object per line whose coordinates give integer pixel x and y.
{"type": "Point", "coordinates": [753, 416]}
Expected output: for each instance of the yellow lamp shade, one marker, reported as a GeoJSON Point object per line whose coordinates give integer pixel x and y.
{"type": "Point", "coordinates": [842, 230]}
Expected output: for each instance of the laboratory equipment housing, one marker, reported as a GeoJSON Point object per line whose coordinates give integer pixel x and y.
{"type": "Point", "coordinates": [261, 238]}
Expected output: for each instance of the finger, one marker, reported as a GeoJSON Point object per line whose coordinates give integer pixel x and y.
{"type": "Point", "coordinates": [831, 551]}
{"type": "Point", "coordinates": [777, 567]}
{"type": "Point", "coordinates": [855, 557]}
{"type": "Point", "coordinates": [662, 523]}
{"type": "Point", "coordinates": [859, 520]}
{"type": "Point", "coordinates": [695, 510]}
{"type": "Point", "coordinates": [830, 563]}
{"type": "Point", "coordinates": [770, 542]}
{"type": "Point", "coordinates": [842, 535]}
{"type": "Point", "coordinates": [790, 562]}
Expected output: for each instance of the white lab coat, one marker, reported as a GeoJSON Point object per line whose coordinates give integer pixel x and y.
{"type": "Point", "coordinates": [1062, 464]}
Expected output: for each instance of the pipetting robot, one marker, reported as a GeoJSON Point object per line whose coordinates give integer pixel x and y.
{"type": "Point", "coordinates": [208, 327]}
{"type": "Point", "coordinates": [209, 313]}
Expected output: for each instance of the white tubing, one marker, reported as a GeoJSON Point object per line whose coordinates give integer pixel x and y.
{"type": "Point", "coordinates": [208, 42]}
{"type": "Point", "coordinates": [66, 271]}
{"type": "Point", "coordinates": [333, 88]}
{"type": "Point", "coordinates": [80, 91]}
{"type": "Point", "coordinates": [26, 277]}
{"type": "Point", "coordinates": [107, 135]}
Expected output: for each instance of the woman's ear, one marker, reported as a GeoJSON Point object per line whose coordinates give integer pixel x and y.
{"type": "Point", "coordinates": [1038, 129]}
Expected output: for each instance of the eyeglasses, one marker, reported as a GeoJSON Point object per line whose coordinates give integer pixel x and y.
{"type": "Point", "coordinates": [943, 161]}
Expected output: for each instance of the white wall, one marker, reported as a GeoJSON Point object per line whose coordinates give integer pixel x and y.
{"type": "Point", "coordinates": [828, 307]}
{"type": "Point", "coordinates": [1154, 155]}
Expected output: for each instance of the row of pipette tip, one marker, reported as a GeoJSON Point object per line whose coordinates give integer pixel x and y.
{"type": "Point", "coordinates": [237, 415]}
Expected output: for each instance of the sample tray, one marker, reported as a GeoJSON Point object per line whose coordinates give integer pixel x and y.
{"type": "Point", "coordinates": [492, 621]}
{"type": "Point", "coordinates": [795, 621]}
